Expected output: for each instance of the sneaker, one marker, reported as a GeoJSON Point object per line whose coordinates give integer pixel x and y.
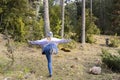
{"type": "Point", "coordinates": [50, 75]}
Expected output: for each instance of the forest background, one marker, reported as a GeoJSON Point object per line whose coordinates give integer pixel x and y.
{"type": "Point", "coordinates": [24, 19]}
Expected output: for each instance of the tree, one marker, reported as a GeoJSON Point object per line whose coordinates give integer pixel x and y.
{"type": "Point", "coordinates": [46, 17]}
{"type": "Point", "coordinates": [37, 9]}
{"type": "Point", "coordinates": [115, 18]}
{"type": "Point", "coordinates": [62, 29]}
{"type": "Point", "coordinates": [83, 21]}
{"type": "Point", "coordinates": [13, 17]}
{"type": "Point", "coordinates": [19, 17]}
{"type": "Point", "coordinates": [91, 10]}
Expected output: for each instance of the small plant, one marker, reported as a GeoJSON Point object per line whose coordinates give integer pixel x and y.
{"type": "Point", "coordinates": [90, 38]}
{"type": "Point", "coordinates": [115, 42]}
{"type": "Point", "coordinates": [3, 63]}
{"type": "Point", "coordinates": [112, 61]}
{"type": "Point", "coordinates": [26, 70]}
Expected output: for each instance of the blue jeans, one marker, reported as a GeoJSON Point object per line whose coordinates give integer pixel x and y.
{"type": "Point", "coordinates": [48, 52]}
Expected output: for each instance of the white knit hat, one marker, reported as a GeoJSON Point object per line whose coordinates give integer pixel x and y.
{"type": "Point", "coordinates": [50, 34]}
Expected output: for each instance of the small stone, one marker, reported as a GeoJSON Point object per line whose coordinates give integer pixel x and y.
{"type": "Point", "coordinates": [8, 78]}
{"type": "Point", "coordinates": [41, 76]}
{"type": "Point", "coordinates": [27, 75]}
{"type": "Point", "coordinates": [95, 70]}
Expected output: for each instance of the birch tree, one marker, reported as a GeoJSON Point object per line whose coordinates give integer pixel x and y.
{"type": "Point", "coordinates": [46, 17]}
{"type": "Point", "coordinates": [62, 8]}
{"type": "Point", "coordinates": [91, 10]}
{"type": "Point", "coordinates": [83, 22]}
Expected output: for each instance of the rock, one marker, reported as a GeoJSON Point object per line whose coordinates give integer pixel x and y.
{"type": "Point", "coordinates": [95, 70]}
{"type": "Point", "coordinates": [8, 78]}
{"type": "Point", "coordinates": [27, 75]}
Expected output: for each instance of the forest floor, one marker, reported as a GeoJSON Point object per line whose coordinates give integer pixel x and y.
{"type": "Point", "coordinates": [30, 64]}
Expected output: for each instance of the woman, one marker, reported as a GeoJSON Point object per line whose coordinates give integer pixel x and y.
{"type": "Point", "coordinates": [49, 47]}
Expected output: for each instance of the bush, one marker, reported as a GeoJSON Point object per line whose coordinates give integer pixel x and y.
{"type": "Point", "coordinates": [4, 62]}
{"type": "Point", "coordinates": [90, 38]}
{"type": "Point", "coordinates": [93, 29]}
{"type": "Point", "coordinates": [111, 60]}
{"type": "Point", "coordinates": [115, 42]}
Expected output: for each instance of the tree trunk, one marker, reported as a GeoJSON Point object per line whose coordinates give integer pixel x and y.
{"type": "Point", "coordinates": [62, 8]}
{"type": "Point", "coordinates": [101, 15]}
{"type": "Point", "coordinates": [83, 21]}
{"type": "Point", "coordinates": [91, 10]}
{"type": "Point", "coordinates": [46, 17]}
{"type": "Point", "coordinates": [37, 9]}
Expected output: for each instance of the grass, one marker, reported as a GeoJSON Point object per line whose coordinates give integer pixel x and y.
{"type": "Point", "coordinates": [30, 64]}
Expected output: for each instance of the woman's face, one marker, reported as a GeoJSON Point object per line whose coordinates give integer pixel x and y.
{"type": "Point", "coordinates": [48, 38]}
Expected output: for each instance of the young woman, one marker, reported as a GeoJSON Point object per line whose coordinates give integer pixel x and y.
{"type": "Point", "coordinates": [49, 47]}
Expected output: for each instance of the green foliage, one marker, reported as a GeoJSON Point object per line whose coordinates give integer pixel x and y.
{"type": "Point", "coordinates": [3, 64]}
{"type": "Point", "coordinates": [19, 20]}
{"type": "Point", "coordinates": [115, 17]}
{"type": "Point", "coordinates": [1, 10]}
{"type": "Point", "coordinates": [19, 31]}
{"type": "Point", "coordinates": [92, 29]}
{"type": "Point", "coordinates": [107, 12]}
{"type": "Point", "coordinates": [71, 26]}
{"type": "Point", "coordinates": [111, 60]}
{"type": "Point", "coordinates": [90, 38]}
{"type": "Point", "coordinates": [26, 70]}
{"type": "Point", "coordinates": [37, 29]}
{"type": "Point", "coordinates": [55, 20]}
{"type": "Point", "coordinates": [115, 42]}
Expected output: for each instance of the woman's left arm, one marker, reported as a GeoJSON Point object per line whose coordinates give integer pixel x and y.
{"type": "Point", "coordinates": [56, 40]}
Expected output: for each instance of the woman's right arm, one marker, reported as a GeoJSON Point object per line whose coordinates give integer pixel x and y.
{"type": "Point", "coordinates": [38, 42]}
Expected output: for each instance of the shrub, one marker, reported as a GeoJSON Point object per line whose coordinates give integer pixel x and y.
{"type": "Point", "coordinates": [93, 29]}
{"type": "Point", "coordinates": [4, 64]}
{"type": "Point", "coordinates": [111, 60]}
{"type": "Point", "coordinates": [90, 38]}
{"type": "Point", "coordinates": [115, 42]}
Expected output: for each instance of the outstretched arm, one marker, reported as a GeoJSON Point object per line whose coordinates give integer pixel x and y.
{"type": "Point", "coordinates": [38, 42]}
{"type": "Point", "coordinates": [56, 40]}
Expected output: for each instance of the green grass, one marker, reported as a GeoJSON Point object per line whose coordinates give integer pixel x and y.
{"type": "Point", "coordinates": [72, 65]}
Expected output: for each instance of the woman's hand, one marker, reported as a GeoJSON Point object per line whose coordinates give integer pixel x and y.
{"type": "Point", "coordinates": [29, 41]}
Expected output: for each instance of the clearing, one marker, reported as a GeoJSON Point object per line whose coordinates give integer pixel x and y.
{"type": "Point", "coordinates": [30, 64]}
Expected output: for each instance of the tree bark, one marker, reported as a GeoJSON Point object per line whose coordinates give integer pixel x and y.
{"type": "Point", "coordinates": [37, 9]}
{"type": "Point", "coordinates": [46, 17]}
{"type": "Point", "coordinates": [83, 21]}
{"type": "Point", "coordinates": [91, 10]}
{"type": "Point", "coordinates": [62, 8]}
